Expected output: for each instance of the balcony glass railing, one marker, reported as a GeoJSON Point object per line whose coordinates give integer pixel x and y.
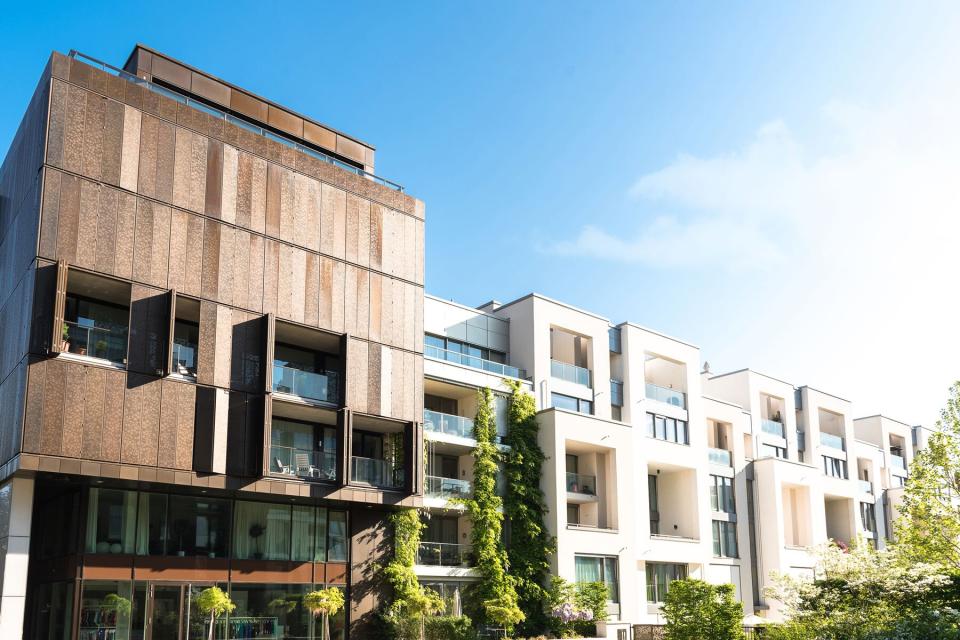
{"type": "Point", "coordinates": [222, 115]}
{"type": "Point", "coordinates": [773, 427]}
{"type": "Point", "coordinates": [490, 366]}
{"type": "Point", "coordinates": [377, 473]}
{"type": "Point", "coordinates": [580, 483]}
{"type": "Point", "coordinates": [305, 384]}
{"type": "Point", "coordinates": [447, 488]}
{"type": "Point", "coordinates": [667, 395]}
{"type": "Point", "coordinates": [865, 486]}
{"type": "Point", "coordinates": [832, 441]}
{"type": "Point", "coordinates": [107, 343]}
{"type": "Point", "coordinates": [719, 457]}
{"type": "Point", "coordinates": [444, 554]}
{"type": "Point", "coordinates": [897, 462]}
{"type": "Point", "coordinates": [570, 372]}
{"type": "Point", "coordinates": [437, 422]}
{"type": "Point", "coordinates": [184, 359]}
{"type": "Point", "coordinates": [318, 465]}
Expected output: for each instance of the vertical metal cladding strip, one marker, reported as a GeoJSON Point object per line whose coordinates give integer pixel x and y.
{"type": "Point", "coordinates": [171, 322]}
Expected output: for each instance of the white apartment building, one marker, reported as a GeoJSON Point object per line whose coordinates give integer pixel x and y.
{"type": "Point", "coordinates": [656, 468]}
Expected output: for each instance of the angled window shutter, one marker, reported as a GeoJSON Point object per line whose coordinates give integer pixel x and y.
{"type": "Point", "coordinates": [59, 307]}
{"type": "Point", "coordinates": [268, 341]}
{"type": "Point", "coordinates": [171, 321]}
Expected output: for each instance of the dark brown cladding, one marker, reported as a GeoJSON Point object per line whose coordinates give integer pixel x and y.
{"type": "Point", "coordinates": [153, 65]}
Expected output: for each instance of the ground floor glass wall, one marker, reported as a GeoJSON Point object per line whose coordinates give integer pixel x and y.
{"type": "Point", "coordinates": [125, 610]}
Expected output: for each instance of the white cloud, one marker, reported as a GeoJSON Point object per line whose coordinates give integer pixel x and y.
{"type": "Point", "coordinates": [856, 227]}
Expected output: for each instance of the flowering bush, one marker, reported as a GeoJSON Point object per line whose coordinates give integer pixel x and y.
{"type": "Point", "coordinates": [568, 612]}
{"type": "Point", "coordinates": [572, 610]}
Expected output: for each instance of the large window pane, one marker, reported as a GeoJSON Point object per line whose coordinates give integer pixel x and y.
{"type": "Point", "coordinates": [271, 611]}
{"type": "Point", "coordinates": [337, 536]}
{"type": "Point", "coordinates": [262, 531]}
{"type": "Point", "coordinates": [111, 521]}
{"type": "Point", "coordinates": [105, 609]}
{"type": "Point", "coordinates": [321, 542]}
{"type": "Point", "coordinates": [304, 539]}
{"type": "Point", "coordinates": [198, 527]}
{"type": "Point", "coordinates": [152, 530]}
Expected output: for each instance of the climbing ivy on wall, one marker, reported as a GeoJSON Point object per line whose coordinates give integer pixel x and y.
{"type": "Point", "coordinates": [495, 595]}
{"type": "Point", "coordinates": [411, 600]}
{"type": "Point", "coordinates": [525, 508]}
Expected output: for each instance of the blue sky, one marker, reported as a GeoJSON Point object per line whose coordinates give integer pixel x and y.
{"type": "Point", "coordinates": [771, 181]}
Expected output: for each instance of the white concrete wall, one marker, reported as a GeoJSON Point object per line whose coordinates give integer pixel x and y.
{"type": "Point", "coordinates": [16, 510]}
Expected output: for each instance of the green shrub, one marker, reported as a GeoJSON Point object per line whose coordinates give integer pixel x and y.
{"type": "Point", "coordinates": [449, 628]}
{"type": "Point", "coordinates": [695, 609]}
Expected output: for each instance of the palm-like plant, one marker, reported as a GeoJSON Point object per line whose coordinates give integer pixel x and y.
{"type": "Point", "coordinates": [214, 602]}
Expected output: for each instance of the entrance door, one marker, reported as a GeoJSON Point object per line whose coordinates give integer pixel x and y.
{"type": "Point", "coordinates": [172, 612]}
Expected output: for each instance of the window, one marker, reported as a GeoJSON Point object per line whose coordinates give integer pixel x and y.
{"type": "Point", "coordinates": [654, 505]}
{"type": "Point", "coordinates": [835, 467]}
{"type": "Point", "coordinates": [599, 569]}
{"type": "Point", "coordinates": [279, 606]}
{"type": "Point", "coordinates": [186, 336]}
{"type": "Point", "coordinates": [265, 531]}
{"type": "Point", "coordinates": [724, 539]}
{"type": "Point", "coordinates": [305, 373]}
{"type": "Point", "coordinates": [669, 429]}
{"type": "Point", "coordinates": [573, 514]}
{"type": "Point", "coordinates": [94, 328]}
{"type": "Point", "coordinates": [868, 516]}
{"type": "Point", "coordinates": [570, 403]}
{"type": "Point", "coordinates": [659, 577]}
{"type": "Point", "coordinates": [616, 413]}
{"type": "Point", "coordinates": [721, 494]}
{"type": "Point", "coordinates": [198, 527]}
{"type": "Point", "coordinates": [451, 592]}
{"type": "Point", "coordinates": [465, 348]}
{"type": "Point", "coordinates": [772, 451]}
{"type": "Point", "coordinates": [440, 405]}
{"type": "Point", "coordinates": [899, 481]}
{"type": "Point", "coordinates": [111, 521]}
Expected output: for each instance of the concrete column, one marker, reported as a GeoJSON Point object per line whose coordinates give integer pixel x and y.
{"type": "Point", "coordinates": [16, 510]}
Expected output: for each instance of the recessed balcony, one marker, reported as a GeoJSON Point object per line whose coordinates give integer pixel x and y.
{"type": "Point", "coordinates": [570, 373]}
{"type": "Point", "coordinates": [832, 441]}
{"type": "Point", "coordinates": [312, 385]}
{"type": "Point", "coordinates": [437, 422]}
{"type": "Point", "coordinates": [444, 554]}
{"type": "Point", "coordinates": [720, 457]}
{"type": "Point", "coordinates": [581, 488]}
{"type": "Point", "coordinates": [447, 488]}
{"type": "Point", "coordinates": [385, 474]}
{"type": "Point", "coordinates": [303, 463]}
{"type": "Point", "coordinates": [773, 427]}
{"type": "Point", "coordinates": [666, 395]}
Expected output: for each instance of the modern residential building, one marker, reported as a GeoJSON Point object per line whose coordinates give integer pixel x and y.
{"type": "Point", "coordinates": [655, 469]}
{"type": "Point", "coordinates": [211, 368]}
{"type": "Point", "coordinates": [218, 367]}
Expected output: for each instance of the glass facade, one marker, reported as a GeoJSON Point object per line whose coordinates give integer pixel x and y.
{"type": "Point", "coordinates": [157, 524]}
{"type": "Point", "coordinates": [96, 329]}
{"type": "Point", "coordinates": [721, 494]}
{"type": "Point", "coordinates": [561, 401]}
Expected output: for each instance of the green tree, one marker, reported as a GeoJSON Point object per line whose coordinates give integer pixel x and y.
{"type": "Point", "coordinates": [411, 600]}
{"type": "Point", "coordinates": [324, 602]}
{"type": "Point", "coordinates": [214, 603]}
{"type": "Point", "coordinates": [695, 609]}
{"type": "Point", "coordinates": [525, 508]}
{"type": "Point", "coordinates": [495, 593]}
{"type": "Point", "coordinates": [928, 528]}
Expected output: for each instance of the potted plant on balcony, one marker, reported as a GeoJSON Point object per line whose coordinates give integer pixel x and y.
{"type": "Point", "coordinates": [65, 338]}
{"type": "Point", "coordinates": [257, 530]}
{"type": "Point", "coordinates": [101, 348]}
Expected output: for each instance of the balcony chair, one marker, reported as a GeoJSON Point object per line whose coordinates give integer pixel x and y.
{"type": "Point", "coordinates": [284, 468]}
{"type": "Point", "coordinates": [305, 467]}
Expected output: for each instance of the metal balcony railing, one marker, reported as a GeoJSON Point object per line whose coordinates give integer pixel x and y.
{"type": "Point", "coordinates": [437, 422]}
{"type": "Point", "coordinates": [447, 488]}
{"type": "Point", "coordinates": [667, 395]}
{"type": "Point", "coordinates": [303, 463]}
{"type": "Point", "coordinates": [305, 384]}
{"type": "Point", "coordinates": [580, 483]}
{"type": "Point", "coordinates": [865, 486]}
{"type": "Point", "coordinates": [229, 117]}
{"type": "Point", "coordinates": [444, 554]}
{"type": "Point", "coordinates": [377, 473]}
{"type": "Point", "coordinates": [456, 357]}
{"type": "Point", "coordinates": [570, 372]}
{"type": "Point", "coordinates": [898, 462]}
